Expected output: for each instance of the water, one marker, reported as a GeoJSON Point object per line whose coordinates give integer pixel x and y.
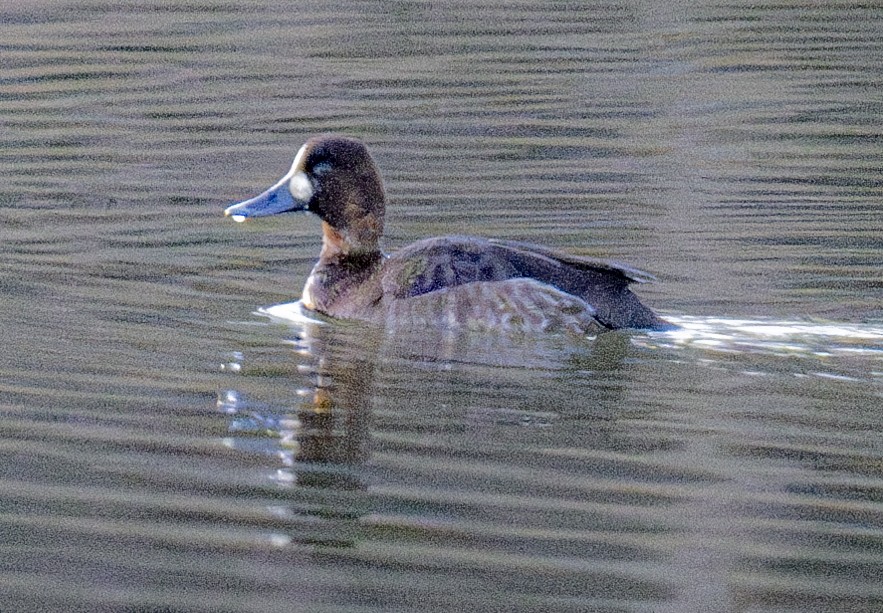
{"type": "Point", "coordinates": [167, 448]}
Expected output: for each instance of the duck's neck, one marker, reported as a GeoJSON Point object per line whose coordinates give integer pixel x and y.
{"type": "Point", "coordinates": [342, 276]}
{"type": "Point", "coordinates": [337, 244]}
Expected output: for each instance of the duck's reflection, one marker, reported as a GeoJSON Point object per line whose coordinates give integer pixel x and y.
{"type": "Point", "coordinates": [306, 402]}
{"type": "Point", "coordinates": [329, 432]}
{"type": "Point", "coordinates": [331, 427]}
{"type": "Point", "coordinates": [318, 392]}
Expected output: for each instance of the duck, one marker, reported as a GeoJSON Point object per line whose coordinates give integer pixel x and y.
{"type": "Point", "coordinates": [451, 282]}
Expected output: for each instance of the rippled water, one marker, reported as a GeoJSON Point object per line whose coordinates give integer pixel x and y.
{"type": "Point", "coordinates": [165, 447]}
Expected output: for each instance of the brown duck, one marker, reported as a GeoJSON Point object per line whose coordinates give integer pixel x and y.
{"type": "Point", "coordinates": [448, 281]}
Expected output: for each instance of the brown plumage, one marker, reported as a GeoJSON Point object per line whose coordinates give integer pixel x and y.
{"type": "Point", "coordinates": [450, 281]}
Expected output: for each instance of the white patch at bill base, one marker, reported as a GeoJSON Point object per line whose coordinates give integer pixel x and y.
{"type": "Point", "coordinates": [300, 186]}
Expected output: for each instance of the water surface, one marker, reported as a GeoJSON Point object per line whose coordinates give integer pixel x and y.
{"type": "Point", "coordinates": [167, 448]}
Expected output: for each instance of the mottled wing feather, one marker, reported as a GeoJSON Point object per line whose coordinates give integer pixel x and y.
{"type": "Point", "coordinates": [434, 264]}
{"type": "Point", "coordinates": [513, 305]}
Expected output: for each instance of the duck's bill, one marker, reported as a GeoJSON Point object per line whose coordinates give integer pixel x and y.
{"type": "Point", "coordinates": [277, 199]}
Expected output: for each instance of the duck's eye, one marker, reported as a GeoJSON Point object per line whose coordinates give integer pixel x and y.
{"type": "Point", "coordinates": [300, 186]}
{"type": "Point", "coordinates": [321, 168]}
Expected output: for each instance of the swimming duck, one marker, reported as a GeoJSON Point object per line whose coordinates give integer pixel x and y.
{"type": "Point", "coordinates": [448, 281]}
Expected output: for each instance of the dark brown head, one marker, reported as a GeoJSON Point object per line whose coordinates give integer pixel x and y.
{"type": "Point", "coordinates": [335, 178]}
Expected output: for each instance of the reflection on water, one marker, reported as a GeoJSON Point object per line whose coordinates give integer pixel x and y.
{"type": "Point", "coordinates": [439, 488]}
{"type": "Point", "coordinates": [732, 149]}
{"type": "Point", "coordinates": [475, 466]}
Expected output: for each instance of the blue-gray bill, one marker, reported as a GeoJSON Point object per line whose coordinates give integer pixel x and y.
{"type": "Point", "coordinates": [277, 199]}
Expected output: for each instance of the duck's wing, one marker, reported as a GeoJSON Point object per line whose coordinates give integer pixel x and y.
{"type": "Point", "coordinates": [601, 283]}
{"type": "Point", "coordinates": [596, 265]}
{"type": "Point", "coordinates": [444, 262]}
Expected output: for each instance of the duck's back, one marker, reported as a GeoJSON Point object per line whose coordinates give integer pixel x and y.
{"type": "Point", "coordinates": [466, 281]}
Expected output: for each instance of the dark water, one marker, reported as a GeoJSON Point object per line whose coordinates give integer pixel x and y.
{"type": "Point", "coordinates": [164, 448]}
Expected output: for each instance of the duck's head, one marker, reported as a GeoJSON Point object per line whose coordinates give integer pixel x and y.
{"type": "Point", "coordinates": [335, 178]}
